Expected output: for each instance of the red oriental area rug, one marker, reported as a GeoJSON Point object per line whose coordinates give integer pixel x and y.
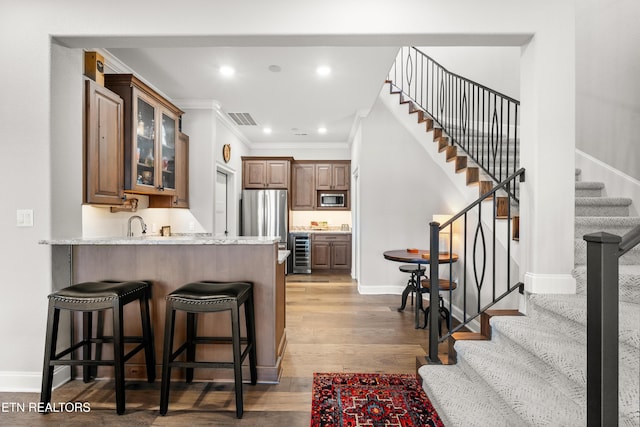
{"type": "Point", "coordinates": [371, 400]}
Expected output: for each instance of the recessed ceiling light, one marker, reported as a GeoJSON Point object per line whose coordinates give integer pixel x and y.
{"type": "Point", "coordinates": [322, 130]}
{"type": "Point", "coordinates": [266, 130]}
{"type": "Point", "coordinates": [323, 70]}
{"type": "Point", "coordinates": [227, 71]}
{"type": "Point", "coordinates": [275, 68]}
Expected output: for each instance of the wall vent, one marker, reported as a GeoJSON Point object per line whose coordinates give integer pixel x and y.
{"type": "Point", "coordinates": [243, 119]}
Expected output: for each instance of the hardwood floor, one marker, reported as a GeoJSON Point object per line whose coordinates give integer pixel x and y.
{"type": "Point", "coordinates": [330, 328]}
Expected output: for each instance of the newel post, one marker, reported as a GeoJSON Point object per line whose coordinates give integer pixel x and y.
{"type": "Point", "coordinates": [602, 328]}
{"type": "Point", "coordinates": [434, 253]}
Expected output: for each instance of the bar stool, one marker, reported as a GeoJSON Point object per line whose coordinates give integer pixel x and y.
{"type": "Point", "coordinates": [209, 297]}
{"type": "Point", "coordinates": [90, 297]}
{"type": "Point", "coordinates": [417, 271]}
{"type": "Point", "coordinates": [443, 286]}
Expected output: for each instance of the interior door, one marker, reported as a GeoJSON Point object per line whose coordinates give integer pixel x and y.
{"type": "Point", "coordinates": [221, 214]}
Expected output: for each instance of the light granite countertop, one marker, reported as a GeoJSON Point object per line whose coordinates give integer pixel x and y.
{"type": "Point", "coordinates": [192, 239]}
{"type": "Point", "coordinates": [282, 255]}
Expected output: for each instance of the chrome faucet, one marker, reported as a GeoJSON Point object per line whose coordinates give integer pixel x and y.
{"type": "Point", "coordinates": [142, 224]}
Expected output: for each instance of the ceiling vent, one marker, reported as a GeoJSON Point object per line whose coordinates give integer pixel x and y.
{"type": "Point", "coordinates": [243, 119]}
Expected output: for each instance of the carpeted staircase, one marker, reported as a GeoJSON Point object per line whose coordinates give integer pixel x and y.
{"type": "Point", "coordinates": [532, 372]}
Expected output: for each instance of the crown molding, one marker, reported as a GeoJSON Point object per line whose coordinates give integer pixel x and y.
{"type": "Point", "coordinates": [115, 65]}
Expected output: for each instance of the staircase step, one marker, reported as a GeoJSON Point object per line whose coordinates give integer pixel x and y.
{"type": "Point", "coordinates": [570, 310]}
{"type": "Point", "coordinates": [443, 144]}
{"type": "Point", "coordinates": [618, 225]}
{"type": "Point", "coordinates": [628, 282]}
{"type": "Point", "coordinates": [545, 340]}
{"type": "Point", "coordinates": [589, 189]}
{"type": "Point", "coordinates": [522, 380]}
{"type": "Point", "coordinates": [566, 314]}
{"type": "Point", "coordinates": [451, 153]}
{"type": "Point", "coordinates": [580, 254]}
{"type": "Point", "coordinates": [461, 163]}
{"type": "Point", "coordinates": [460, 401]}
{"type": "Point", "coordinates": [602, 206]}
{"type": "Point", "coordinates": [473, 175]}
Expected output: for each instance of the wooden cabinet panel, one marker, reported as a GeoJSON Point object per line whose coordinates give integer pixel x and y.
{"type": "Point", "coordinates": [320, 256]}
{"type": "Point", "coordinates": [323, 177]}
{"type": "Point", "coordinates": [303, 186]}
{"type": "Point", "coordinates": [340, 176]}
{"type": "Point", "coordinates": [333, 176]}
{"type": "Point", "coordinates": [331, 251]}
{"type": "Point", "coordinates": [277, 174]}
{"type": "Point", "coordinates": [254, 173]}
{"type": "Point", "coordinates": [341, 255]}
{"type": "Point", "coordinates": [182, 171]}
{"type": "Point", "coordinates": [104, 146]}
{"type": "Point", "coordinates": [263, 173]}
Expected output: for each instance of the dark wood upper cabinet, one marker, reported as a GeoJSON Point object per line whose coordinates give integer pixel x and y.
{"type": "Point", "coordinates": [262, 173]}
{"type": "Point", "coordinates": [303, 188]}
{"type": "Point", "coordinates": [333, 176]}
{"type": "Point", "coordinates": [104, 146]}
{"type": "Point", "coordinates": [150, 136]}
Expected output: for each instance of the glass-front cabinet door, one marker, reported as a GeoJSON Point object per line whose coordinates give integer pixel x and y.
{"type": "Point", "coordinates": [168, 151]}
{"type": "Point", "coordinates": [153, 162]}
{"type": "Point", "coordinates": [145, 147]}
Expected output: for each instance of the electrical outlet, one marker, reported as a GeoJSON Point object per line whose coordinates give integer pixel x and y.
{"type": "Point", "coordinates": [24, 217]}
{"type": "Point", "coordinates": [192, 226]}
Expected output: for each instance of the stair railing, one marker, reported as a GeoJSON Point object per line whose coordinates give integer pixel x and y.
{"type": "Point", "coordinates": [472, 287]}
{"type": "Point", "coordinates": [603, 253]}
{"type": "Point", "coordinates": [481, 121]}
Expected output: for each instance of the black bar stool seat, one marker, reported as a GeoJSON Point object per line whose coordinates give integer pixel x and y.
{"type": "Point", "coordinates": [209, 297]}
{"type": "Point", "coordinates": [444, 285]}
{"type": "Point", "coordinates": [89, 297]}
{"type": "Point", "coordinates": [417, 271]}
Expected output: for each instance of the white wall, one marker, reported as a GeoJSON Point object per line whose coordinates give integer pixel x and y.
{"type": "Point", "coordinates": [27, 107]}
{"type": "Point", "coordinates": [497, 68]}
{"type": "Point", "coordinates": [401, 189]}
{"type": "Point", "coordinates": [607, 83]}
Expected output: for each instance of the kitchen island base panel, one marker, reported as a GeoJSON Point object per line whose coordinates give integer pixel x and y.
{"type": "Point", "coordinates": [169, 267]}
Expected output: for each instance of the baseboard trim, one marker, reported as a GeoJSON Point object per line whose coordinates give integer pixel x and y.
{"type": "Point", "coordinates": [549, 283]}
{"type": "Point", "coordinates": [31, 382]}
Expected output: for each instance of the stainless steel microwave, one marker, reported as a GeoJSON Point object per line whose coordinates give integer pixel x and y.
{"type": "Point", "coordinates": [335, 200]}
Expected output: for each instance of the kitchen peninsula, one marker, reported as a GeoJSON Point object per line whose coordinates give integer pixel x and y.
{"type": "Point", "coordinates": [170, 262]}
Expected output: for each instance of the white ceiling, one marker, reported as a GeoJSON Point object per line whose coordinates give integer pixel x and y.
{"type": "Point", "coordinates": [294, 102]}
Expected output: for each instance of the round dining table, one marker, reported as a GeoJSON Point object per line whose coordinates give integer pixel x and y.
{"type": "Point", "coordinates": [419, 257]}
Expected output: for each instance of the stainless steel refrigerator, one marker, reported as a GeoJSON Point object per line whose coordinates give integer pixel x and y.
{"type": "Point", "coordinates": [265, 213]}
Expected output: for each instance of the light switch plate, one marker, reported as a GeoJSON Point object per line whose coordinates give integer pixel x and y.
{"type": "Point", "coordinates": [24, 217]}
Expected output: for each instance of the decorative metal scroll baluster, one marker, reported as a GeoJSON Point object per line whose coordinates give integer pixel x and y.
{"type": "Point", "coordinates": [479, 257]}
{"type": "Point", "coordinates": [481, 121]}
{"type": "Point", "coordinates": [479, 232]}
